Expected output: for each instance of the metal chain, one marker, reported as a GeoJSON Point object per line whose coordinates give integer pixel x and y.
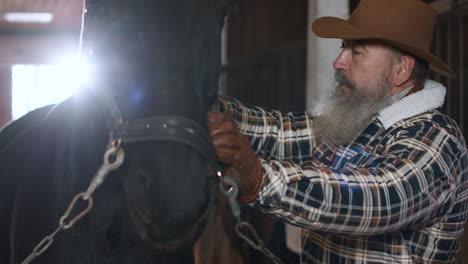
{"type": "Point", "coordinates": [228, 187]}
{"type": "Point", "coordinates": [244, 230]}
{"type": "Point", "coordinates": [115, 152]}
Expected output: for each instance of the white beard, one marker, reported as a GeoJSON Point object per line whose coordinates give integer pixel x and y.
{"type": "Point", "coordinates": [344, 117]}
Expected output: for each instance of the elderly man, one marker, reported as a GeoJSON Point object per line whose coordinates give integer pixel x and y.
{"type": "Point", "coordinates": [380, 176]}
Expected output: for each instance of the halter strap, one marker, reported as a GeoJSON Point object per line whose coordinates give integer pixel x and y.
{"type": "Point", "coordinates": [158, 128]}
{"type": "Point", "coordinates": [169, 128]}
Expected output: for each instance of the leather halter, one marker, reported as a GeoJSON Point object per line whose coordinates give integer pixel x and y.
{"type": "Point", "coordinates": [167, 128]}
{"type": "Point", "coordinates": [159, 128]}
{"type": "Point", "coordinates": [163, 128]}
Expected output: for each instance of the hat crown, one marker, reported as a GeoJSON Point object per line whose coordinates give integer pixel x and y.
{"type": "Point", "coordinates": [411, 21]}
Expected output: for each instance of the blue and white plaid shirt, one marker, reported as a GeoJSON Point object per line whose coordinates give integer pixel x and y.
{"type": "Point", "coordinates": [397, 194]}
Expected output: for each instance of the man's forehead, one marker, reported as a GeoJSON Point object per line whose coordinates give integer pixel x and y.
{"type": "Point", "coordinates": [367, 43]}
{"type": "Point", "coordinates": [361, 42]}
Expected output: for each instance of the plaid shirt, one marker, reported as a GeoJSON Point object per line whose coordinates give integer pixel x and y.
{"type": "Point", "coordinates": [396, 194]}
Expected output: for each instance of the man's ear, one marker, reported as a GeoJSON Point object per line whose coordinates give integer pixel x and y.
{"type": "Point", "coordinates": [402, 69]}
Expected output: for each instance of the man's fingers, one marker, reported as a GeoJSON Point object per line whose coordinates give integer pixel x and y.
{"type": "Point", "coordinates": [225, 137]}
{"type": "Point", "coordinates": [227, 126]}
{"type": "Point", "coordinates": [213, 118]}
{"type": "Point", "coordinates": [226, 141]}
{"type": "Point", "coordinates": [228, 156]}
{"type": "Point", "coordinates": [227, 147]}
{"type": "Point", "coordinates": [222, 129]}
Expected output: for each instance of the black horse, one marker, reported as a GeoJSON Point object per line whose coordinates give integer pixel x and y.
{"type": "Point", "coordinates": [155, 75]}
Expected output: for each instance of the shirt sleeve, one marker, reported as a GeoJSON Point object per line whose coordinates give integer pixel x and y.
{"type": "Point", "coordinates": [274, 135]}
{"type": "Point", "coordinates": [413, 182]}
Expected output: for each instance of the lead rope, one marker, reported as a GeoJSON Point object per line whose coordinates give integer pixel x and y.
{"type": "Point", "coordinates": [113, 158]}
{"type": "Point", "coordinates": [244, 230]}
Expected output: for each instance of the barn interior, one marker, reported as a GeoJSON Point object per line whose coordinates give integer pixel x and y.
{"type": "Point", "coordinates": [269, 58]}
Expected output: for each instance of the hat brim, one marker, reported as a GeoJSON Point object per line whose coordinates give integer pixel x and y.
{"type": "Point", "coordinates": [332, 27]}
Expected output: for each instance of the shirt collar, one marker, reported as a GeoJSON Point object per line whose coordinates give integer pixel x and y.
{"type": "Point", "coordinates": [429, 98]}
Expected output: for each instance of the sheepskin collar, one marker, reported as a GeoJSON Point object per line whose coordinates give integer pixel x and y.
{"type": "Point", "coordinates": [429, 98]}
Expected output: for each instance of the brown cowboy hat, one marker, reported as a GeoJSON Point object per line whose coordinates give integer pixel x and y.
{"type": "Point", "coordinates": [405, 24]}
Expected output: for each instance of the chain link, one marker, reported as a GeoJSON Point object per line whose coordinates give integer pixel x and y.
{"type": "Point", "coordinates": [42, 246]}
{"type": "Point", "coordinates": [244, 230]}
{"type": "Point", "coordinates": [115, 152]}
{"type": "Point", "coordinates": [71, 207]}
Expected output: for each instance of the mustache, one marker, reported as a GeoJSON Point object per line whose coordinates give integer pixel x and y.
{"type": "Point", "coordinates": [342, 80]}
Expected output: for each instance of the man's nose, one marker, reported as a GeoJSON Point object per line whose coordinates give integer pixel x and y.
{"type": "Point", "coordinates": [340, 62]}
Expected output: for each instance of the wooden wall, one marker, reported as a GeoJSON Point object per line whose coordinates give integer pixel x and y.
{"type": "Point", "coordinates": [266, 53]}
{"type": "Point", "coordinates": [451, 45]}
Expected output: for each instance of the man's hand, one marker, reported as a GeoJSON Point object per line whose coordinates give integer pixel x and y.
{"type": "Point", "coordinates": [233, 150]}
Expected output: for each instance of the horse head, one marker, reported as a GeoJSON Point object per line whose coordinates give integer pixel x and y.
{"type": "Point", "coordinates": [158, 61]}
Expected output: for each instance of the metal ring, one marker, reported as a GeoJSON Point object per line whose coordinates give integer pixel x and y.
{"type": "Point", "coordinates": [228, 187]}
{"type": "Point", "coordinates": [119, 157]}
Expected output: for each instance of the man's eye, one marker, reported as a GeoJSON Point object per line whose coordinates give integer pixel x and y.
{"type": "Point", "coordinates": [343, 45]}
{"type": "Point", "coordinates": [355, 52]}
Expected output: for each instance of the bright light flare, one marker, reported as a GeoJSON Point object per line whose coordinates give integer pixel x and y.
{"type": "Point", "coordinates": [73, 72]}
{"type": "Point", "coordinates": [35, 86]}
